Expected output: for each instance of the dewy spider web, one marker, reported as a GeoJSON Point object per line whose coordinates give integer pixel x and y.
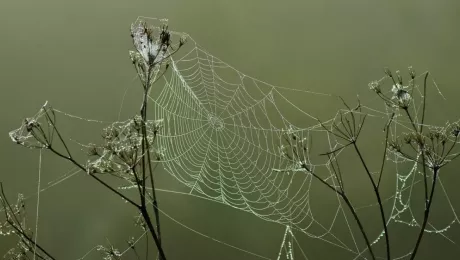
{"type": "Point", "coordinates": [222, 137]}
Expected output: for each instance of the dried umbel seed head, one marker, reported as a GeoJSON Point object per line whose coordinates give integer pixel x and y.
{"type": "Point", "coordinates": [110, 133]}
{"type": "Point", "coordinates": [388, 72]}
{"type": "Point", "coordinates": [455, 130]}
{"type": "Point", "coordinates": [136, 57]}
{"type": "Point", "coordinates": [375, 86]}
{"type": "Point", "coordinates": [30, 124]}
{"type": "Point", "coordinates": [438, 135]}
{"type": "Point", "coordinates": [131, 242]}
{"type": "Point", "coordinates": [182, 41]}
{"type": "Point", "coordinates": [157, 125]}
{"type": "Point", "coordinates": [137, 122]}
{"type": "Point", "coordinates": [399, 77]}
{"type": "Point", "coordinates": [408, 138]}
{"type": "Point", "coordinates": [15, 137]}
{"type": "Point", "coordinates": [419, 138]}
{"type": "Point", "coordinates": [160, 153]}
{"type": "Point", "coordinates": [395, 146]}
{"type": "Point", "coordinates": [411, 72]}
{"type": "Point", "coordinates": [147, 46]}
{"type": "Point", "coordinates": [92, 150]}
{"type": "Point", "coordinates": [401, 95]}
{"type": "Point", "coordinates": [431, 135]}
{"type": "Point", "coordinates": [140, 222]}
{"type": "Point", "coordinates": [165, 36]}
{"type": "Point", "coordinates": [429, 152]}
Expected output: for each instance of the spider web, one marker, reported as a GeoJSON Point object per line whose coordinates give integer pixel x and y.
{"type": "Point", "coordinates": [222, 137]}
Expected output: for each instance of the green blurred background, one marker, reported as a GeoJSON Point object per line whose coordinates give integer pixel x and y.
{"type": "Point", "coordinates": [75, 55]}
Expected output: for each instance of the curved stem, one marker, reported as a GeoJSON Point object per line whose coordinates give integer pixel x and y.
{"type": "Point", "coordinates": [379, 200]}
{"type": "Point", "coordinates": [426, 214]}
{"type": "Point", "coordinates": [350, 207]}
{"type": "Point", "coordinates": [360, 225]}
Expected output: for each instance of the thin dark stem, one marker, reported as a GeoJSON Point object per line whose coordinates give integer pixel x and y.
{"type": "Point", "coordinates": [7, 205]}
{"type": "Point", "coordinates": [360, 225]}
{"type": "Point", "coordinates": [349, 205]}
{"type": "Point", "coordinates": [130, 201]}
{"type": "Point", "coordinates": [144, 137]}
{"type": "Point", "coordinates": [19, 229]}
{"type": "Point", "coordinates": [425, 178]}
{"type": "Point", "coordinates": [149, 161]}
{"type": "Point", "coordinates": [410, 119]}
{"type": "Point", "coordinates": [144, 134]}
{"type": "Point", "coordinates": [152, 183]}
{"type": "Point", "coordinates": [421, 147]}
{"type": "Point", "coordinates": [23, 236]}
{"type": "Point", "coordinates": [337, 149]}
{"type": "Point", "coordinates": [133, 248]}
{"type": "Point", "coordinates": [57, 132]}
{"type": "Point", "coordinates": [146, 216]}
{"type": "Point", "coordinates": [379, 199]}
{"type": "Point", "coordinates": [304, 166]}
{"type": "Point", "coordinates": [138, 181]}
{"type": "Point", "coordinates": [146, 248]}
{"type": "Point", "coordinates": [387, 130]}
{"type": "Point", "coordinates": [147, 146]}
{"type": "Point", "coordinates": [144, 163]}
{"type": "Point", "coordinates": [71, 159]}
{"type": "Point", "coordinates": [337, 173]}
{"type": "Point", "coordinates": [424, 103]}
{"type": "Point", "coordinates": [426, 214]}
{"type": "Point", "coordinates": [450, 150]}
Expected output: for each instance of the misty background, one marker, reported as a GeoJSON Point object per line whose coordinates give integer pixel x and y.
{"type": "Point", "coordinates": [75, 55]}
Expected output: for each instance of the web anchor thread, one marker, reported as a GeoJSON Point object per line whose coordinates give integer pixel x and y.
{"type": "Point", "coordinates": [286, 249]}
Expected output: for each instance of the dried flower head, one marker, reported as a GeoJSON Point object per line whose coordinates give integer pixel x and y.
{"type": "Point", "coordinates": [109, 253]}
{"type": "Point", "coordinates": [93, 150]}
{"type": "Point", "coordinates": [388, 72]}
{"type": "Point", "coordinates": [157, 125]}
{"type": "Point", "coordinates": [375, 86]}
{"type": "Point", "coordinates": [398, 75]}
{"type": "Point", "coordinates": [411, 72]}
{"type": "Point", "coordinates": [30, 123]}
{"type": "Point", "coordinates": [153, 51]}
{"type": "Point", "coordinates": [401, 95]}
{"type": "Point", "coordinates": [165, 36]}
{"type": "Point", "coordinates": [394, 146]}
{"type": "Point", "coordinates": [455, 130]}
{"type": "Point", "coordinates": [182, 41]}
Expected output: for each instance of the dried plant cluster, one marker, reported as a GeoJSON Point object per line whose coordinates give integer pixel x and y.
{"type": "Point", "coordinates": [128, 149]}
{"type": "Point", "coordinates": [431, 148]}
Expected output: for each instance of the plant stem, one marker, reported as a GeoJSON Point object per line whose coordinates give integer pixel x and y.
{"type": "Point", "coordinates": [142, 208]}
{"type": "Point", "coordinates": [146, 151]}
{"type": "Point", "coordinates": [360, 225]}
{"type": "Point", "coordinates": [19, 229]}
{"type": "Point", "coordinates": [146, 217]}
{"type": "Point", "coordinates": [410, 119]}
{"type": "Point", "coordinates": [424, 102]}
{"type": "Point", "coordinates": [71, 159]}
{"type": "Point", "coordinates": [387, 132]}
{"type": "Point", "coordinates": [379, 199]}
{"type": "Point", "coordinates": [350, 206]}
{"type": "Point", "coordinates": [426, 214]}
